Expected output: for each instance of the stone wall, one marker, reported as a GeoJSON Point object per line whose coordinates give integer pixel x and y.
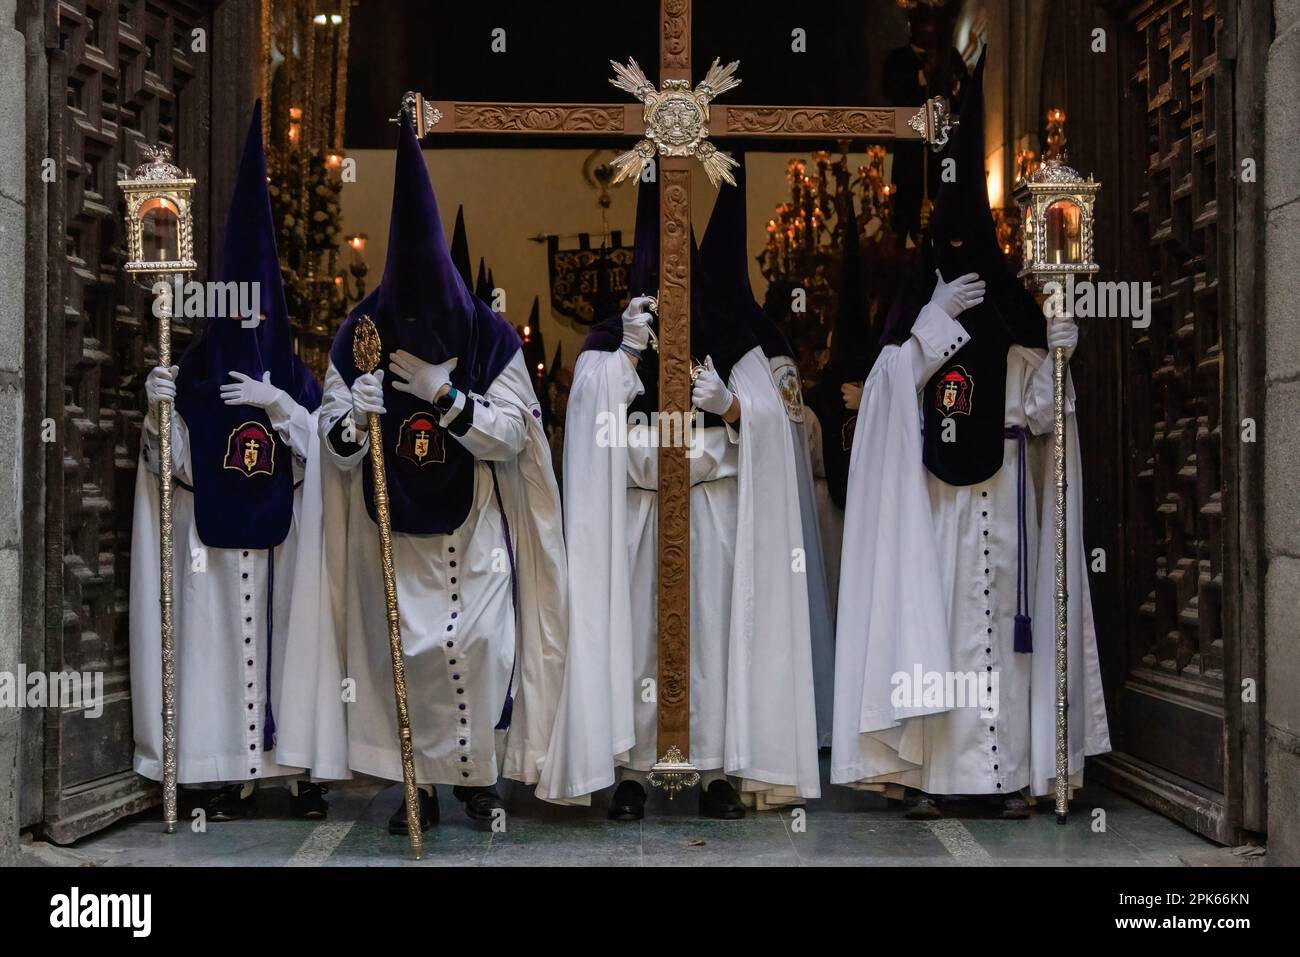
{"type": "Point", "coordinates": [13, 231]}
{"type": "Point", "coordinates": [1281, 176]}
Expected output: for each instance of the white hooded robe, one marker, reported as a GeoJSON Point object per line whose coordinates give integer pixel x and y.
{"type": "Point", "coordinates": [752, 708]}
{"type": "Point", "coordinates": [466, 644]}
{"type": "Point", "coordinates": [928, 587]}
{"type": "Point", "coordinates": [220, 612]}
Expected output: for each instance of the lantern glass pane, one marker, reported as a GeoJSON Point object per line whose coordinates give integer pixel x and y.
{"type": "Point", "coordinates": [159, 231]}
{"type": "Point", "coordinates": [1064, 233]}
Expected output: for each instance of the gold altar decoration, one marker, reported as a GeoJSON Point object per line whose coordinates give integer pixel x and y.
{"type": "Point", "coordinates": [1056, 212]}
{"type": "Point", "coordinates": [304, 92]}
{"type": "Point", "coordinates": [805, 239]}
{"type": "Point", "coordinates": [160, 245]}
{"type": "Point", "coordinates": [366, 350]}
{"type": "Point", "coordinates": [676, 119]}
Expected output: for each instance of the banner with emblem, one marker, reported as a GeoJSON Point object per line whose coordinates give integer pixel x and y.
{"type": "Point", "coordinates": [587, 283]}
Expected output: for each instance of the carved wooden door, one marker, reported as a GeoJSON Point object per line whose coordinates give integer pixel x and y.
{"type": "Point", "coordinates": [132, 76]}
{"type": "Point", "coordinates": [1176, 630]}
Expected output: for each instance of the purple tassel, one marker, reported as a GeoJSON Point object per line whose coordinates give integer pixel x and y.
{"type": "Point", "coordinates": [506, 712]}
{"type": "Point", "coordinates": [268, 729]}
{"type": "Point", "coordinates": [1024, 635]}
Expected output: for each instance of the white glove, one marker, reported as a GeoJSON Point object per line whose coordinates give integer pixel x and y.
{"type": "Point", "coordinates": [421, 379]}
{"type": "Point", "coordinates": [1063, 333]}
{"type": "Point", "coordinates": [367, 397]}
{"type": "Point", "coordinates": [636, 323]}
{"type": "Point", "coordinates": [710, 393]}
{"type": "Point", "coordinates": [160, 385]}
{"type": "Point", "coordinates": [246, 390]}
{"type": "Point", "coordinates": [957, 296]}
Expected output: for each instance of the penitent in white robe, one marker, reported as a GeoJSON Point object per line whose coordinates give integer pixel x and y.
{"type": "Point", "coordinates": [752, 709]}
{"type": "Point", "coordinates": [464, 641]}
{"type": "Point", "coordinates": [928, 585]}
{"type": "Point", "coordinates": [821, 612]}
{"type": "Point", "coordinates": [220, 613]}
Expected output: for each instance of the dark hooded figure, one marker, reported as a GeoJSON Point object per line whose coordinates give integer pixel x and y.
{"type": "Point", "coordinates": [460, 248]}
{"type": "Point", "coordinates": [947, 557]}
{"type": "Point", "coordinates": [753, 722]}
{"type": "Point", "coordinates": [475, 516]}
{"type": "Point", "coordinates": [925, 66]}
{"type": "Point", "coordinates": [728, 291]}
{"type": "Point", "coordinates": [245, 407]}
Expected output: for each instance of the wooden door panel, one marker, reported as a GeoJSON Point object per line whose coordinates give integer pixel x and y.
{"type": "Point", "coordinates": [131, 79]}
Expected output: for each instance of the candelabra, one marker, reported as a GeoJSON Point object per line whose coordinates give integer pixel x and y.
{"type": "Point", "coordinates": [805, 243]}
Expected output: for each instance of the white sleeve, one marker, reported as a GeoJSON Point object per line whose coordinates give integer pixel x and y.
{"type": "Point", "coordinates": [180, 446]}
{"type": "Point", "coordinates": [293, 424]}
{"type": "Point", "coordinates": [493, 426]}
{"type": "Point", "coordinates": [335, 404]}
{"type": "Point", "coordinates": [935, 338]}
{"type": "Point", "coordinates": [1038, 397]}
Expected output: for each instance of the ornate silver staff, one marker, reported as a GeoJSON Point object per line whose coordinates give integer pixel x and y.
{"type": "Point", "coordinates": [160, 245]}
{"type": "Point", "coordinates": [1056, 209]}
{"type": "Point", "coordinates": [365, 355]}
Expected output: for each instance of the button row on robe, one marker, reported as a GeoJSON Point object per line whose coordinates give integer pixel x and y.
{"type": "Point", "coordinates": [991, 643]}
{"type": "Point", "coordinates": [248, 630]}
{"type": "Point", "coordinates": [456, 671]}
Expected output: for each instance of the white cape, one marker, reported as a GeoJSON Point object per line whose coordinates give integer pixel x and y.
{"type": "Point", "coordinates": [771, 740]}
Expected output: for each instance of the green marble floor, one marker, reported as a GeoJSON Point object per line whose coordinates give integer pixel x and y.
{"type": "Point", "coordinates": [843, 828]}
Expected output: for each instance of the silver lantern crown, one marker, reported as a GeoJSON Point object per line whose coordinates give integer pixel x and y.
{"type": "Point", "coordinates": [159, 225]}
{"type": "Point", "coordinates": [1056, 212]}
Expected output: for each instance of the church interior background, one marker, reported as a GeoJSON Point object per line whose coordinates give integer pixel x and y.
{"type": "Point", "coordinates": [1183, 116]}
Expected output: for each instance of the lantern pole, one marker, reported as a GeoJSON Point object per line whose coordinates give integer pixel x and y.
{"type": "Point", "coordinates": [1061, 592]}
{"type": "Point", "coordinates": [160, 192]}
{"type": "Point", "coordinates": [1055, 187]}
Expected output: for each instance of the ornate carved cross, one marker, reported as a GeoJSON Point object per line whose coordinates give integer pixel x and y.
{"type": "Point", "coordinates": [720, 120]}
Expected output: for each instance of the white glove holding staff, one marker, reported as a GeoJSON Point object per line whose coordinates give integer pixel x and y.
{"type": "Point", "coordinates": [957, 296]}
{"type": "Point", "coordinates": [367, 397]}
{"type": "Point", "coordinates": [160, 385]}
{"type": "Point", "coordinates": [1063, 333]}
{"type": "Point", "coordinates": [636, 323]}
{"type": "Point", "coordinates": [710, 393]}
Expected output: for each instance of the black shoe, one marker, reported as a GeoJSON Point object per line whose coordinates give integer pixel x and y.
{"type": "Point", "coordinates": [923, 808]}
{"type": "Point", "coordinates": [628, 802]}
{"type": "Point", "coordinates": [309, 802]}
{"type": "Point", "coordinates": [481, 803]}
{"type": "Point", "coordinates": [1015, 808]}
{"type": "Point", "coordinates": [228, 804]}
{"type": "Point", "coordinates": [721, 801]}
{"type": "Point", "coordinates": [428, 813]}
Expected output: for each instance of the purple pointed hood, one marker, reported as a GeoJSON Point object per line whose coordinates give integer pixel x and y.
{"type": "Point", "coordinates": [423, 305]}
{"type": "Point", "coordinates": [242, 469]}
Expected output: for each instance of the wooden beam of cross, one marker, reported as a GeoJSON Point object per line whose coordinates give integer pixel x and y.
{"type": "Point", "coordinates": [586, 119]}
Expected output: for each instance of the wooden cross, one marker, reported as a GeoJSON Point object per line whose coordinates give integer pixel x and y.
{"type": "Point", "coordinates": [586, 119]}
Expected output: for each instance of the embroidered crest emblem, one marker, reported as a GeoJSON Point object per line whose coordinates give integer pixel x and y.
{"type": "Point", "coordinates": [250, 450]}
{"type": "Point", "coordinates": [955, 392]}
{"type": "Point", "coordinates": [420, 439]}
{"type": "Point", "coordinates": [786, 377]}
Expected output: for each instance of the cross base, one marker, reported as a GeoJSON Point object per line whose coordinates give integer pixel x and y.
{"type": "Point", "coordinates": [673, 772]}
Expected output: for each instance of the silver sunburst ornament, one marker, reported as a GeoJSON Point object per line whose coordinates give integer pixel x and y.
{"type": "Point", "coordinates": [676, 119]}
